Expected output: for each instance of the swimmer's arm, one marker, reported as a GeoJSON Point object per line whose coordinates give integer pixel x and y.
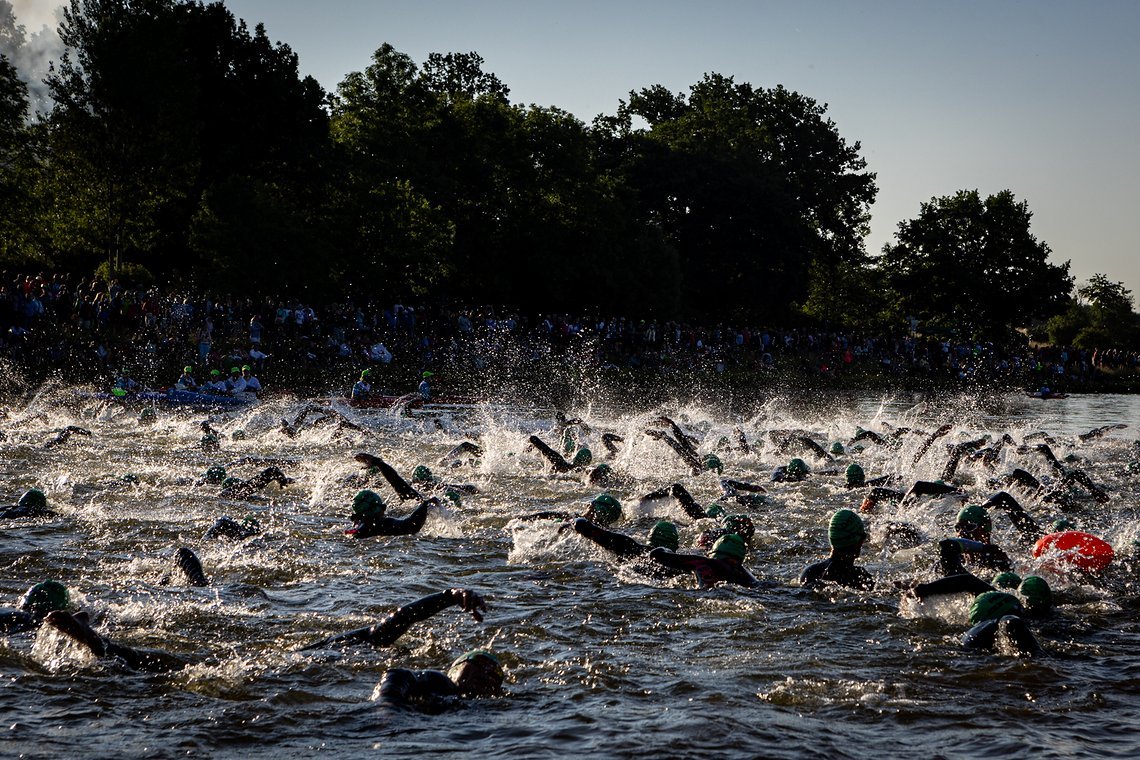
{"type": "Point", "coordinates": [557, 461]}
{"type": "Point", "coordinates": [1021, 520]}
{"type": "Point", "coordinates": [15, 621]}
{"type": "Point", "coordinates": [952, 584]}
{"type": "Point", "coordinates": [687, 502]}
{"type": "Point", "coordinates": [618, 543]}
{"type": "Point", "coordinates": [387, 631]}
{"type": "Point", "coordinates": [673, 560]}
{"type": "Point", "coordinates": [401, 486]}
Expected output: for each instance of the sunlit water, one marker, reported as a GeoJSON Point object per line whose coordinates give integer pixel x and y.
{"type": "Point", "coordinates": [599, 659]}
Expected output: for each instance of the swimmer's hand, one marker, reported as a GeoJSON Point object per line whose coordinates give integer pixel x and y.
{"type": "Point", "coordinates": [469, 601]}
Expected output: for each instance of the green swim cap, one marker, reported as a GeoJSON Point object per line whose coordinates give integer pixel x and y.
{"type": "Point", "coordinates": [209, 440]}
{"type": "Point", "coordinates": [1006, 580]}
{"type": "Point", "coordinates": [215, 474]}
{"type": "Point", "coordinates": [994, 604]}
{"type": "Point", "coordinates": [33, 498]}
{"type": "Point", "coordinates": [428, 374]}
{"type": "Point", "coordinates": [422, 474]}
{"type": "Point", "coordinates": [583, 457]}
{"type": "Point", "coordinates": [568, 442]}
{"type": "Point", "coordinates": [44, 597]}
{"type": "Point", "coordinates": [235, 370]}
{"type": "Point", "coordinates": [975, 515]}
{"type": "Point", "coordinates": [452, 494]}
{"type": "Point", "coordinates": [741, 525]}
{"type": "Point", "coordinates": [367, 503]}
{"type": "Point", "coordinates": [238, 435]}
{"type": "Point", "coordinates": [119, 392]}
{"type": "Point", "coordinates": [714, 510]}
{"type": "Point", "coordinates": [607, 509]}
{"type": "Point", "coordinates": [729, 546]}
{"type": "Point", "coordinates": [230, 482]}
{"type": "Point", "coordinates": [215, 373]}
{"type": "Point", "coordinates": [365, 373]}
{"type": "Point", "coordinates": [148, 413]}
{"type": "Point", "coordinates": [187, 370]}
{"type": "Point", "coordinates": [476, 654]}
{"type": "Point", "coordinates": [665, 534]}
{"type": "Point", "coordinates": [855, 475]}
{"type": "Point", "coordinates": [603, 469]}
{"type": "Point", "coordinates": [1036, 593]}
{"type": "Point", "coordinates": [1061, 524]}
{"type": "Point", "coordinates": [797, 467]}
{"type": "Point", "coordinates": [846, 530]}
{"type": "Point", "coordinates": [712, 462]}
{"type": "Point", "coordinates": [837, 448]}
{"type": "Point", "coordinates": [129, 477]}
{"type": "Point", "coordinates": [246, 368]}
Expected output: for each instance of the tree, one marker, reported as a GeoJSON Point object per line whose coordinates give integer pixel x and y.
{"type": "Point", "coordinates": [973, 265]}
{"type": "Point", "coordinates": [1111, 322]}
{"type": "Point", "coordinates": [156, 103]}
{"type": "Point", "coordinates": [751, 186]}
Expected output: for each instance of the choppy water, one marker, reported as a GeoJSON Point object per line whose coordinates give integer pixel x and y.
{"type": "Point", "coordinates": [599, 660]}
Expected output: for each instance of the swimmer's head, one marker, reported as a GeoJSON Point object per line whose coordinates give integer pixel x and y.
{"type": "Point", "coordinates": [601, 472]}
{"type": "Point", "coordinates": [367, 503]}
{"type": "Point", "coordinates": [868, 504]}
{"type": "Point", "coordinates": [665, 534]}
{"type": "Point", "coordinates": [729, 547]}
{"type": "Point", "coordinates": [477, 673]}
{"type": "Point", "coordinates": [1037, 595]}
{"type": "Point", "coordinates": [604, 510]}
{"type": "Point", "coordinates": [238, 435]}
{"type": "Point", "coordinates": [45, 597]}
{"type": "Point", "coordinates": [583, 457]}
{"type": "Point", "coordinates": [365, 374]}
{"type": "Point", "coordinates": [187, 369]}
{"type": "Point", "coordinates": [712, 462]}
{"type": "Point", "coordinates": [974, 523]}
{"type": "Point", "coordinates": [235, 370]}
{"type": "Point", "coordinates": [714, 510]}
{"type": "Point", "coordinates": [33, 498]}
{"type": "Point", "coordinates": [454, 496]}
{"type": "Point", "coordinates": [837, 449]}
{"type": "Point", "coordinates": [846, 530]}
{"type": "Point", "coordinates": [797, 468]}
{"type": "Point", "coordinates": [855, 475]}
{"type": "Point", "coordinates": [993, 605]}
{"type": "Point", "coordinates": [741, 525]}
{"type": "Point", "coordinates": [215, 373]}
{"type": "Point", "coordinates": [1061, 524]}
{"type": "Point", "coordinates": [215, 474]}
{"type": "Point", "coordinates": [422, 474]}
{"type": "Point", "coordinates": [1006, 580]}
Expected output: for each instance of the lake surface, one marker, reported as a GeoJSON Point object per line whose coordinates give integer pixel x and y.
{"type": "Point", "coordinates": [600, 660]}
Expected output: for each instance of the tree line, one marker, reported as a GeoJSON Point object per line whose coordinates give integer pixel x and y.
{"type": "Point", "coordinates": [181, 146]}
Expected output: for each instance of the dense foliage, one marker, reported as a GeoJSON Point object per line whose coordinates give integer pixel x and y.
{"type": "Point", "coordinates": [184, 147]}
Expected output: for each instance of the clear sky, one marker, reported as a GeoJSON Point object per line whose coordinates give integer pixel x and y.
{"type": "Point", "coordinates": [1037, 96]}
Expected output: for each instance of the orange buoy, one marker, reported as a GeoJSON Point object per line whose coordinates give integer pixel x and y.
{"type": "Point", "coordinates": [1077, 548]}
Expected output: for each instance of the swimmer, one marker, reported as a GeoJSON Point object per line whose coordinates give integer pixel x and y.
{"type": "Point", "coordinates": [972, 544]}
{"type": "Point", "coordinates": [421, 476]}
{"type": "Point", "coordinates": [78, 628]}
{"type": "Point", "coordinates": [999, 626]}
{"type": "Point", "coordinates": [369, 519]}
{"type": "Point", "coordinates": [236, 488]}
{"type": "Point", "coordinates": [628, 550]}
{"type": "Point", "coordinates": [603, 509]}
{"type": "Point", "coordinates": [846, 534]}
{"type": "Point", "coordinates": [33, 504]}
{"type": "Point", "coordinates": [793, 472]}
{"type": "Point", "coordinates": [64, 435]}
{"type": "Point", "coordinates": [477, 673]}
{"type": "Point", "coordinates": [225, 527]}
{"type": "Point", "coordinates": [725, 563]}
{"type": "Point", "coordinates": [38, 601]}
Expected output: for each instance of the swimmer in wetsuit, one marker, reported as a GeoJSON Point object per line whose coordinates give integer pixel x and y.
{"type": "Point", "coordinates": [32, 504]}
{"type": "Point", "coordinates": [38, 601]}
{"type": "Point", "coordinates": [845, 534]}
{"type": "Point", "coordinates": [724, 565]}
{"type": "Point", "coordinates": [369, 519]}
{"type": "Point", "coordinates": [972, 545]}
{"type": "Point", "coordinates": [629, 550]}
{"type": "Point", "coordinates": [475, 674]}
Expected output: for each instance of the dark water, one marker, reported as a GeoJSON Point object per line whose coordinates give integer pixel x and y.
{"type": "Point", "coordinates": [599, 660]}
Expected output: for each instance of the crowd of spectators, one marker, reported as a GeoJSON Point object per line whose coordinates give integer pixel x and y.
{"type": "Point", "coordinates": [91, 329]}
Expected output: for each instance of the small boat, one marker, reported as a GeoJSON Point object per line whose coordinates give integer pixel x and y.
{"type": "Point", "coordinates": [1046, 394]}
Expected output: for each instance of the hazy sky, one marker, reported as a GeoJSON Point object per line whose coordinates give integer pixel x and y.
{"type": "Point", "coordinates": [1036, 96]}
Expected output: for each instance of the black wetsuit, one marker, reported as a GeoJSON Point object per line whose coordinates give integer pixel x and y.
{"type": "Point", "coordinates": [17, 621]}
{"type": "Point", "coordinates": [708, 570]}
{"type": "Point", "coordinates": [841, 571]}
{"type": "Point", "coordinates": [627, 550]}
{"type": "Point", "coordinates": [1009, 634]}
{"type": "Point", "coordinates": [391, 526]}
